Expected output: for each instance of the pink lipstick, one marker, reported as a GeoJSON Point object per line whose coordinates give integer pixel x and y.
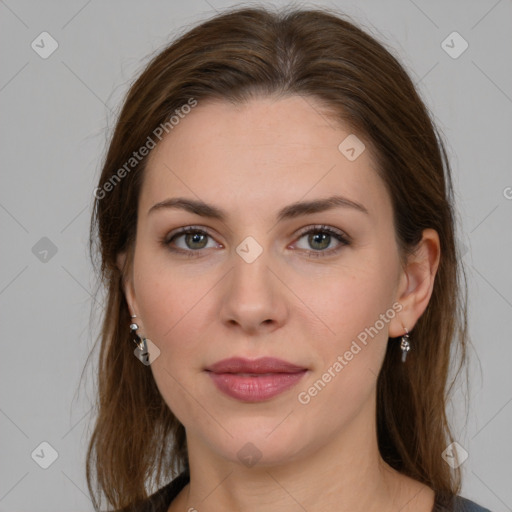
{"type": "Point", "coordinates": [254, 380]}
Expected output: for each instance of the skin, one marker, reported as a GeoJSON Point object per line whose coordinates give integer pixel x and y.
{"type": "Point", "coordinates": [251, 160]}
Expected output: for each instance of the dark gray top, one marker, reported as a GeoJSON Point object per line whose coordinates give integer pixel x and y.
{"type": "Point", "coordinates": [161, 499]}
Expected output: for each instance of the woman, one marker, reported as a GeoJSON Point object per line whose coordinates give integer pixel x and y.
{"type": "Point", "coordinates": [276, 233]}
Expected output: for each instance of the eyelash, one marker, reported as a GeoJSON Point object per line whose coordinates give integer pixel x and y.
{"type": "Point", "coordinates": [338, 235]}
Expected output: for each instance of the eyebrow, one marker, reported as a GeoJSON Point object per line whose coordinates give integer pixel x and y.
{"type": "Point", "coordinates": [288, 212]}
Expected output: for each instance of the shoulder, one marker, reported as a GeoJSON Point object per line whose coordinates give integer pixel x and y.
{"type": "Point", "coordinates": [161, 499]}
{"type": "Point", "coordinates": [465, 505]}
{"type": "Point", "coordinates": [457, 504]}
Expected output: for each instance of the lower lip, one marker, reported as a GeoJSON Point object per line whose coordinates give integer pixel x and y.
{"type": "Point", "coordinates": [255, 389]}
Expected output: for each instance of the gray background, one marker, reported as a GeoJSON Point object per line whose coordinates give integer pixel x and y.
{"type": "Point", "coordinates": [56, 114]}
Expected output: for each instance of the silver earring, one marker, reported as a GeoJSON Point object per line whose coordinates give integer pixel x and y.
{"type": "Point", "coordinates": [405, 345]}
{"type": "Point", "coordinates": [142, 346]}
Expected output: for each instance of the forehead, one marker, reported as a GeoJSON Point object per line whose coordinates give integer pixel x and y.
{"type": "Point", "coordinates": [266, 151]}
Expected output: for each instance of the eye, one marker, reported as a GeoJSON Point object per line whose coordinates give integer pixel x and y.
{"type": "Point", "coordinates": [193, 237]}
{"type": "Point", "coordinates": [320, 238]}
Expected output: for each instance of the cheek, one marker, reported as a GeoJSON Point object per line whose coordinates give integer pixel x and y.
{"type": "Point", "coordinates": [166, 300]}
{"type": "Point", "coordinates": [172, 309]}
{"type": "Point", "coordinates": [353, 298]}
{"type": "Point", "coordinates": [173, 319]}
{"type": "Point", "coordinates": [169, 317]}
{"type": "Point", "coordinates": [357, 310]}
{"type": "Point", "coordinates": [348, 363]}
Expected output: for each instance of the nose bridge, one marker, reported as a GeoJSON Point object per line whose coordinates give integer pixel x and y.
{"type": "Point", "coordinates": [252, 296]}
{"type": "Point", "coordinates": [251, 273]}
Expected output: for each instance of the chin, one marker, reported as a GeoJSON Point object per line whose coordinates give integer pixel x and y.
{"type": "Point", "coordinates": [262, 447]}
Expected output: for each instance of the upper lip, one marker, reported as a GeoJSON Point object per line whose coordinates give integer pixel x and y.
{"type": "Point", "coordinates": [261, 365]}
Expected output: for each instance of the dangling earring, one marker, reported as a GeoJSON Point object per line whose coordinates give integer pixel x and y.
{"type": "Point", "coordinates": [405, 345]}
{"type": "Point", "coordinates": [142, 348]}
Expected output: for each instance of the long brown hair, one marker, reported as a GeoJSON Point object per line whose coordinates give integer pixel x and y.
{"type": "Point", "coordinates": [137, 443]}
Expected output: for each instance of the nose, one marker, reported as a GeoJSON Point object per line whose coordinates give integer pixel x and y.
{"type": "Point", "coordinates": [253, 296]}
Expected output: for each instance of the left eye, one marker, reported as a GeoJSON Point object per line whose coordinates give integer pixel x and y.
{"type": "Point", "coordinates": [321, 237]}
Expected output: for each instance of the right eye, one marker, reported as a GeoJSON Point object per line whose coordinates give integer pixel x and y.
{"type": "Point", "coordinates": [193, 237]}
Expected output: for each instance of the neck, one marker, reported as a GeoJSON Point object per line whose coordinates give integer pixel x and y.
{"type": "Point", "coordinates": [345, 473]}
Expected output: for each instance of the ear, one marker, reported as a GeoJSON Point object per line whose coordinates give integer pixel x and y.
{"type": "Point", "coordinates": [127, 281]}
{"type": "Point", "coordinates": [417, 283]}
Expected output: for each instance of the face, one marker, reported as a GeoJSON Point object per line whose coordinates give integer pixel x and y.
{"type": "Point", "coordinates": [315, 288]}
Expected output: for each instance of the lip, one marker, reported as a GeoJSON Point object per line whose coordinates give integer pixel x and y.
{"type": "Point", "coordinates": [254, 380]}
{"type": "Point", "coordinates": [260, 365]}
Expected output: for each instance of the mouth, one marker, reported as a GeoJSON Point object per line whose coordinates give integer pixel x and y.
{"type": "Point", "coordinates": [254, 380]}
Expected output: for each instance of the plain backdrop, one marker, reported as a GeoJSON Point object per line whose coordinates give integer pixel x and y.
{"type": "Point", "coordinates": [56, 115]}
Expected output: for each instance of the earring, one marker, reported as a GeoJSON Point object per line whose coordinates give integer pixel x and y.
{"type": "Point", "coordinates": [142, 347]}
{"type": "Point", "coordinates": [405, 345]}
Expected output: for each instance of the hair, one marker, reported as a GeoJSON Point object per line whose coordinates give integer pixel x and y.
{"type": "Point", "coordinates": [237, 55]}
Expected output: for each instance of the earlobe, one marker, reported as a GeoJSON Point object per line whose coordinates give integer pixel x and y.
{"type": "Point", "coordinates": [417, 282]}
